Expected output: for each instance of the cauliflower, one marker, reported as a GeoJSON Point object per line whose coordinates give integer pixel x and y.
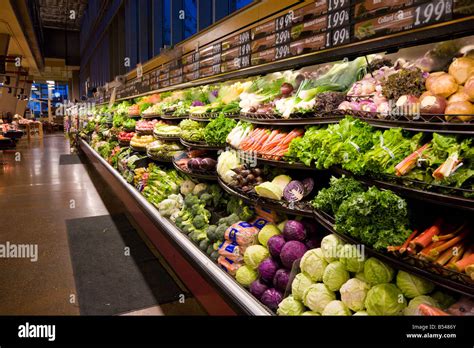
{"type": "Point", "coordinates": [199, 188]}
{"type": "Point", "coordinates": [168, 206]}
{"type": "Point", "coordinates": [187, 187]}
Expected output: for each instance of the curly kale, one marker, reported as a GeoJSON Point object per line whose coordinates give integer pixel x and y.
{"type": "Point", "coordinates": [329, 199]}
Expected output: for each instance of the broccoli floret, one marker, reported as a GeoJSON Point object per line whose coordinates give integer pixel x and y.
{"type": "Point", "coordinates": [179, 220]}
{"type": "Point", "coordinates": [232, 219]}
{"type": "Point", "coordinates": [190, 200]}
{"type": "Point", "coordinates": [199, 221]}
{"type": "Point", "coordinates": [197, 209]}
{"type": "Point", "coordinates": [211, 232]}
{"type": "Point", "coordinates": [220, 231]}
{"type": "Point", "coordinates": [187, 229]}
{"type": "Point", "coordinates": [206, 198]}
{"type": "Point", "coordinates": [246, 213]}
{"type": "Point", "coordinates": [233, 205]}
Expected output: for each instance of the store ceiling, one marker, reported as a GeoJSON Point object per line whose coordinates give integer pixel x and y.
{"type": "Point", "coordinates": [56, 13]}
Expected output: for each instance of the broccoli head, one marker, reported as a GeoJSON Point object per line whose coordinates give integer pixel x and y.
{"type": "Point", "coordinates": [199, 222]}
{"type": "Point", "coordinates": [190, 200]}
{"type": "Point", "coordinates": [206, 198]}
{"type": "Point", "coordinates": [197, 209]}
{"type": "Point", "coordinates": [211, 233]}
{"type": "Point", "coordinates": [233, 218]}
{"type": "Point", "coordinates": [220, 231]}
{"type": "Point", "coordinates": [187, 229]}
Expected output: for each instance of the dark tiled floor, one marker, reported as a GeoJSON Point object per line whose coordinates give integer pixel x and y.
{"type": "Point", "coordinates": [37, 195]}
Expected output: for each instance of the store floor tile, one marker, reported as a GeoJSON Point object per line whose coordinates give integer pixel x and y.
{"type": "Point", "coordinates": [69, 159]}
{"type": "Point", "coordinates": [114, 270]}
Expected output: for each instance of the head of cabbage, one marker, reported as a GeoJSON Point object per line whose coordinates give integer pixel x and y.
{"type": "Point", "coordinates": [313, 264]}
{"type": "Point", "coordinates": [299, 285]}
{"type": "Point", "coordinates": [377, 272]}
{"type": "Point", "coordinates": [317, 296]}
{"type": "Point", "coordinates": [290, 306]}
{"type": "Point", "coordinates": [385, 299]}
{"type": "Point", "coordinates": [336, 308]}
{"type": "Point", "coordinates": [352, 258]}
{"type": "Point", "coordinates": [335, 275]}
{"type": "Point", "coordinates": [415, 302]}
{"type": "Point", "coordinates": [353, 294]}
{"type": "Point", "coordinates": [413, 286]}
{"type": "Point", "coordinates": [254, 255]}
{"type": "Point", "coordinates": [330, 246]}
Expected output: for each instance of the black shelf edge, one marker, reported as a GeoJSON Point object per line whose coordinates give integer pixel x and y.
{"type": "Point", "coordinates": [264, 203]}
{"type": "Point", "coordinates": [200, 146]}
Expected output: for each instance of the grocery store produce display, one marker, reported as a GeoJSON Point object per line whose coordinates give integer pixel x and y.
{"type": "Point", "coordinates": [330, 239]}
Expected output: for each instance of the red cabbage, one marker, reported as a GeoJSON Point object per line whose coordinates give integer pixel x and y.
{"type": "Point", "coordinates": [294, 191]}
{"type": "Point", "coordinates": [310, 227]}
{"type": "Point", "coordinates": [291, 251]}
{"type": "Point", "coordinates": [257, 288]}
{"type": "Point", "coordinates": [275, 244]}
{"type": "Point", "coordinates": [267, 269]}
{"type": "Point", "coordinates": [281, 278]}
{"type": "Point", "coordinates": [271, 298]}
{"type": "Point", "coordinates": [312, 243]}
{"type": "Point", "coordinates": [308, 185]}
{"type": "Point", "coordinates": [294, 230]}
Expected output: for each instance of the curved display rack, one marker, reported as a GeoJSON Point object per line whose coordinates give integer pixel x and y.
{"type": "Point", "coordinates": [136, 149]}
{"type": "Point", "coordinates": [449, 281]}
{"type": "Point", "coordinates": [134, 116]}
{"type": "Point", "coordinates": [299, 208]}
{"type": "Point", "coordinates": [159, 159]}
{"type": "Point", "coordinates": [171, 117]}
{"type": "Point", "coordinates": [165, 138]}
{"type": "Point", "coordinates": [151, 116]}
{"type": "Point", "coordinates": [422, 123]}
{"type": "Point", "coordinates": [195, 175]}
{"type": "Point", "coordinates": [221, 281]}
{"type": "Point", "coordinates": [209, 116]}
{"type": "Point", "coordinates": [144, 132]}
{"type": "Point", "coordinates": [200, 145]}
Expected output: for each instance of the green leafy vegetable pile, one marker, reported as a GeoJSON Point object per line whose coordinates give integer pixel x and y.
{"type": "Point", "coordinates": [376, 218]}
{"type": "Point", "coordinates": [329, 199]}
{"type": "Point", "coordinates": [217, 130]}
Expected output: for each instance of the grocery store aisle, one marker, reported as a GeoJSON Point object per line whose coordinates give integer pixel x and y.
{"type": "Point", "coordinates": [37, 196]}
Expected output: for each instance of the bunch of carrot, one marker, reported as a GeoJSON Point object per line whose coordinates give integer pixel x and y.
{"type": "Point", "coordinates": [270, 144]}
{"type": "Point", "coordinates": [443, 245]}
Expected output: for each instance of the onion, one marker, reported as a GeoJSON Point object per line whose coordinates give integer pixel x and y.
{"type": "Point", "coordinates": [432, 104]}
{"type": "Point", "coordinates": [461, 68]}
{"type": "Point", "coordinates": [469, 87]}
{"type": "Point", "coordinates": [460, 95]}
{"type": "Point", "coordinates": [433, 76]}
{"type": "Point", "coordinates": [408, 105]}
{"type": "Point", "coordinates": [443, 85]}
{"type": "Point", "coordinates": [463, 108]}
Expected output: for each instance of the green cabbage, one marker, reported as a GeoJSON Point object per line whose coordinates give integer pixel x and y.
{"type": "Point", "coordinates": [352, 259]}
{"type": "Point", "coordinates": [299, 285]}
{"type": "Point", "coordinates": [377, 272]}
{"type": "Point", "coordinates": [266, 233]}
{"type": "Point", "coordinates": [336, 308]}
{"type": "Point", "coordinates": [360, 313]}
{"type": "Point", "coordinates": [353, 294]}
{"type": "Point", "coordinates": [335, 275]}
{"type": "Point", "coordinates": [246, 275]}
{"type": "Point", "coordinates": [310, 313]}
{"type": "Point", "coordinates": [413, 286]}
{"type": "Point", "coordinates": [313, 264]}
{"type": "Point", "coordinates": [290, 306]}
{"type": "Point", "coordinates": [254, 255]}
{"type": "Point", "coordinates": [385, 299]}
{"type": "Point", "coordinates": [330, 246]}
{"type": "Point", "coordinates": [317, 296]}
{"type": "Point", "coordinates": [415, 302]}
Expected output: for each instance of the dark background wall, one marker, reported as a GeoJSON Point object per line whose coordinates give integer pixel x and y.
{"type": "Point", "coordinates": [55, 45]}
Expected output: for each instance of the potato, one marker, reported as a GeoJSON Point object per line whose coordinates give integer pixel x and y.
{"type": "Point", "coordinates": [463, 108]}
{"type": "Point", "coordinates": [444, 85]}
